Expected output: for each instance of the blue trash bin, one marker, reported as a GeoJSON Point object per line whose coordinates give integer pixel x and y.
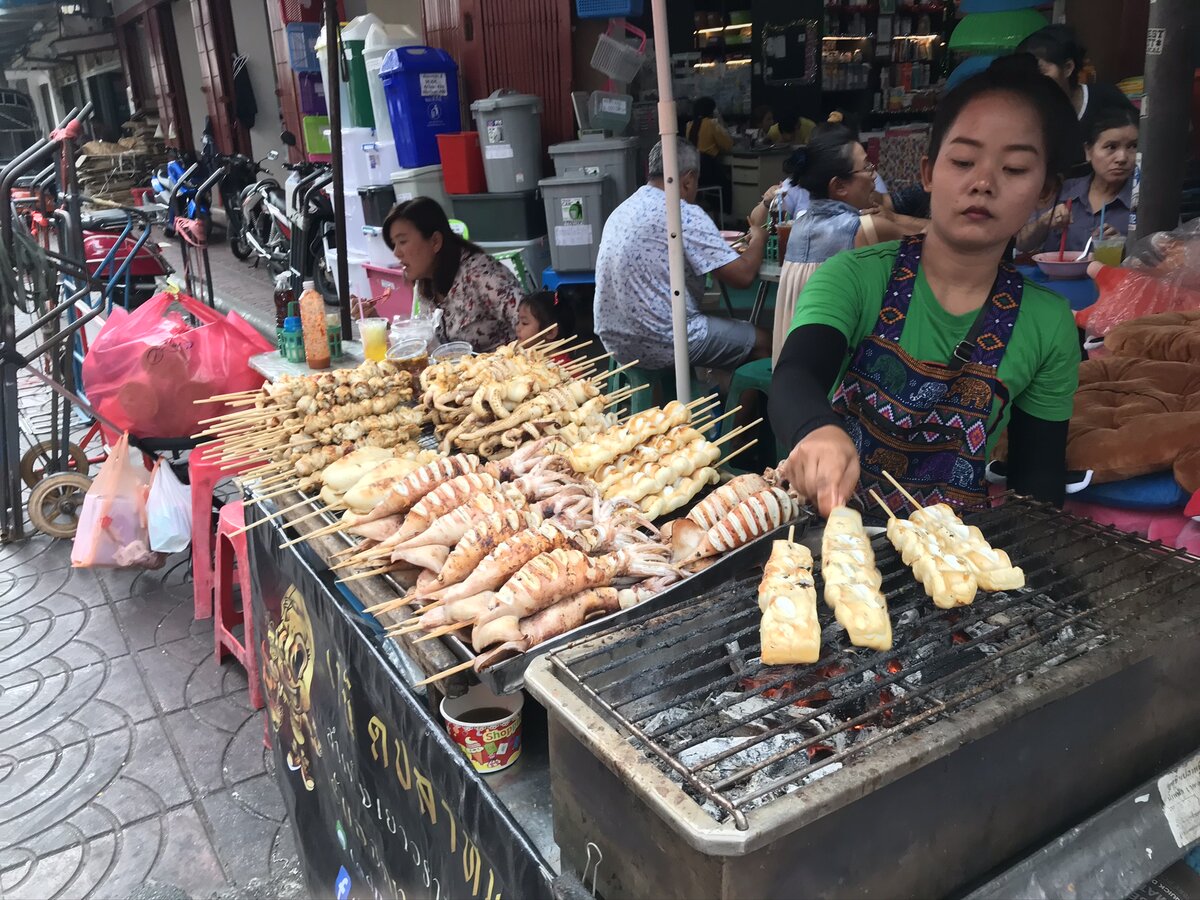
{"type": "Point", "coordinates": [421, 84]}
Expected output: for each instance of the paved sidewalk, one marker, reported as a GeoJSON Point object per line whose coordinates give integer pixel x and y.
{"type": "Point", "coordinates": [131, 764]}
{"type": "Point", "coordinates": [126, 754]}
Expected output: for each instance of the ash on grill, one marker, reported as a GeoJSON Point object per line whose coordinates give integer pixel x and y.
{"type": "Point", "coordinates": [736, 734]}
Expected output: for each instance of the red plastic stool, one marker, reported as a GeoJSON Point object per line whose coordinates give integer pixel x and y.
{"type": "Point", "coordinates": [231, 547]}
{"type": "Point", "coordinates": [204, 471]}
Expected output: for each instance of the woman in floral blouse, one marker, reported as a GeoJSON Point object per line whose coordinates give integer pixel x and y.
{"type": "Point", "coordinates": [478, 296]}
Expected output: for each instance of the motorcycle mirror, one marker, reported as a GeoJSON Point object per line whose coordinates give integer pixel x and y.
{"type": "Point", "coordinates": [274, 154]}
{"type": "Point", "coordinates": [288, 138]}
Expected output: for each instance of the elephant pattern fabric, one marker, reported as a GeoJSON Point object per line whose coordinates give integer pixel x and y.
{"type": "Point", "coordinates": [926, 424]}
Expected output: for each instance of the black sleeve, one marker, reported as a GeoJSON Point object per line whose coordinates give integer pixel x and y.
{"type": "Point", "coordinates": [1037, 457]}
{"type": "Point", "coordinates": [810, 361]}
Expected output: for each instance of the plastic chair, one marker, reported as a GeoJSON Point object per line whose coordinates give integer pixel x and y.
{"type": "Point", "coordinates": [233, 549]}
{"type": "Point", "coordinates": [752, 376]}
{"type": "Point", "coordinates": [661, 384]}
{"type": "Point", "coordinates": [204, 471]}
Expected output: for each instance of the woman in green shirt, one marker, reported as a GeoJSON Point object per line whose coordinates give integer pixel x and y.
{"type": "Point", "coordinates": [912, 357]}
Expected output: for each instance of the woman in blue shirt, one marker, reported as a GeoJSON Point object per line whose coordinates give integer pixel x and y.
{"type": "Point", "coordinates": [834, 170]}
{"type": "Point", "coordinates": [1112, 153]}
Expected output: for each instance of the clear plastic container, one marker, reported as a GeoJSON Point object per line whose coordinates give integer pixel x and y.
{"type": "Point", "coordinates": [374, 335]}
{"type": "Point", "coordinates": [452, 350]}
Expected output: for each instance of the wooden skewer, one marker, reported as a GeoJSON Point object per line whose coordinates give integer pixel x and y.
{"type": "Point", "coordinates": [575, 348]}
{"type": "Point", "coordinates": [234, 396]}
{"type": "Point", "coordinates": [404, 629]}
{"type": "Point", "coordinates": [907, 496]}
{"type": "Point", "coordinates": [611, 372]}
{"type": "Point", "coordinates": [532, 343]}
{"type": "Point", "coordinates": [382, 570]}
{"type": "Point", "coordinates": [791, 533]}
{"type": "Point", "coordinates": [444, 630]}
{"type": "Point", "coordinates": [393, 603]}
{"type": "Point", "coordinates": [274, 515]}
{"type": "Point", "coordinates": [453, 670]}
{"type": "Point", "coordinates": [887, 509]}
{"type": "Point", "coordinates": [708, 425]}
{"type": "Point", "coordinates": [586, 363]}
{"type": "Point", "coordinates": [737, 431]}
{"type": "Point", "coordinates": [258, 498]}
{"type": "Point", "coordinates": [305, 518]}
{"type": "Point", "coordinates": [741, 449]}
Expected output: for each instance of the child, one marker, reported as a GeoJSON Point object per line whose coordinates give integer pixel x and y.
{"type": "Point", "coordinates": [542, 310]}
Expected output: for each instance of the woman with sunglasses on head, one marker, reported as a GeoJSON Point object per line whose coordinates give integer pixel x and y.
{"type": "Point", "coordinates": [833, 170]}
{"type": "Point", "coordinates": [912, 357]}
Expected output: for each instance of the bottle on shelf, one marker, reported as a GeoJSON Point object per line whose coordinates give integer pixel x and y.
{"type": "Point", "coordinates": [283, 300]}
{"type": "Point", "coordinates": [316, 335]}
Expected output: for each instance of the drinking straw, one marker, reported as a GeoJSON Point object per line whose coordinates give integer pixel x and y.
{"type": "Point", "coordinates": [1100, 233]}
{"type": "Point", "coordinates": [1062, 244]}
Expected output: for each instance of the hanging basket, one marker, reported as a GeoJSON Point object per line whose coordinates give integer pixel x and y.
{"type": "Point", "coordinates": [617, 59]}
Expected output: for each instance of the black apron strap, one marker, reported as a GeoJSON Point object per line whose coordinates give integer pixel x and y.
{"type": "Point", "coordinates": [966, 347]}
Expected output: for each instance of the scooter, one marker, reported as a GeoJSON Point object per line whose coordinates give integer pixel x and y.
{"type": "Point", "coordinates": [176, 190]}
{"type": "Point", "coordinates": [291, 236]}
{"type": "Point", "coordinates": [241, 174]}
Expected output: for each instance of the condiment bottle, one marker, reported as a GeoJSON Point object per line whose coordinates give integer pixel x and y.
{"type": "Point", "coordinates": [316, 335]}
{"type": "Point", "coordinates": [292, 342]}
{"type": "Point", "coordinates": [283, 298]}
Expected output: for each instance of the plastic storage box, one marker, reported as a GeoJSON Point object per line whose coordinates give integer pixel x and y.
{"type": "Point", "coordinates": [515, 216]}
{"type": "Point", "coordinates": [421, 84]}
{"type": "Point", "coordinates": [316, 135]}
{"type": "Point", "coordinates": [609, 112]}
{"type": "Point", "coordinates": [615, 157]}
{"type": "Point", "coordinates": [423, 182]}
{"type": "Point", "coordinates": [367, 161]}
{"type": "Point", "coordinates": [383, 280]}
{"type": "Point", "coordinates": [608, 9]}
{"type": "Point", "coordinates": [311, 92]}
{"type": "Point", "coordinates": [462, 163]}
{"type": "Point", "coordinates": [510, 134]}
{"type": "Point", "coordinates": [377, 202]}
{"type": "Point", "coordinates": [575, 218]}
{"type": "Point", "coordinates": [301, 44]}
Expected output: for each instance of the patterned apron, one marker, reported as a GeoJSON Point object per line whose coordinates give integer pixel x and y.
{"type": "Point", "coordinates": [925, 423]}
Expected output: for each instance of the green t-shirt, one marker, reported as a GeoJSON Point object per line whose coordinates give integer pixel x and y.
{"type": "Point", "coordinates": [1040, 368]}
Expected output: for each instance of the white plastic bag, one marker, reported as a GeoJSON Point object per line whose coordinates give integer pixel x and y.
{"type": "Point", "coordinates": [112, 523]}
{"type": "Point", "coordinates": [169, 511]}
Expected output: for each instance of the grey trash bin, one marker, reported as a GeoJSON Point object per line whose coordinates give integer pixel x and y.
{"type": "Point", "coordinates": [510, 135]}
{"type": "Point", "coordinates": [615, 157]}
{"type": "Point", "coordinates": [575, 219]}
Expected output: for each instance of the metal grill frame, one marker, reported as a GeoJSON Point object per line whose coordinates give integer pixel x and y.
{"type": "Point", "coordinates": [1088, 627]}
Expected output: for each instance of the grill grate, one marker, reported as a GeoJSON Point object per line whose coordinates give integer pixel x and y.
{"type": "Point", "coordinates": [687, 686]}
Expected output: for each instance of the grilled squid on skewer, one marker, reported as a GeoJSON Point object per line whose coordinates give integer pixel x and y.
{"type": "Point", "coordinates": [414, 487]}
{"type": "Point", "coordinates": [717, 505]}
{"type": "Point", "coordinates": [758, 514]}
{"type": "Point", "coordinates": [852, 581]}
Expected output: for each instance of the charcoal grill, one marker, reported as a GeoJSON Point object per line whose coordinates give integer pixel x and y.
{"type": "Point", "coordinates": [985, 731]}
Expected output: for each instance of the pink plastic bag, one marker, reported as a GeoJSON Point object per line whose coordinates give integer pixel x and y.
{"type": "Point", "coordinates": [145, 368]}
{"type": "Point", "coordinates": [113, 529]}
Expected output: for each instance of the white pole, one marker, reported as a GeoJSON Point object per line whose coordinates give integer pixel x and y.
{"type": "Point", "coordinates": [668, 129]}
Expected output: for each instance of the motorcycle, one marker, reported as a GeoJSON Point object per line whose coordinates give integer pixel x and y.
{"type": "Point", "coordinates": [178, 194]}
{"type": "Point", "coordinates": [291, 236]}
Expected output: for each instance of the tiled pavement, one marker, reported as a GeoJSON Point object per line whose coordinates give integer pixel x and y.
{"type": "Point", "coordinates": [126, 754]}
{"type": "Point", "coordinates": [131, 764]}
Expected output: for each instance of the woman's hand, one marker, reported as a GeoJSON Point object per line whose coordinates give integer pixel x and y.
{"type": "Point", "coordinates": [758, 216]}
{"type": "Point", "coordinates": [823, 468]}
{"type": "Point", "coordinates": [769, 196]}
{"type": "Point", "coordinates": [1058, 217]}
{"type": "Point", "coordinates": [1109, 232]}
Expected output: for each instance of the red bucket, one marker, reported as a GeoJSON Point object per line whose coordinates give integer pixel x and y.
{"type": "Point", "coordinates": [462, 163]}
{"type": "Point", "coordinates": [486, 727]}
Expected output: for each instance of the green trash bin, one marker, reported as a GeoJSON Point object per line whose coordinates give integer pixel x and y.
{"type": "Point", "coordinates": [354, 41]}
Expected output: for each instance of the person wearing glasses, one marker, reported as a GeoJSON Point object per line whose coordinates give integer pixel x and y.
{"type": "Point", "coordinates": [833, 169]}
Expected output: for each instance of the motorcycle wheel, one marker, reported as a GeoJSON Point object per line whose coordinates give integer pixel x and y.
{"type": "Point", "coordinates": [238, 245]}
{"type": "Point", "coordinates": [325, 281]}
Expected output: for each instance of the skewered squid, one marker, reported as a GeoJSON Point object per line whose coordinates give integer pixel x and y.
{"type": "Point", "coordinates": [758, 514]}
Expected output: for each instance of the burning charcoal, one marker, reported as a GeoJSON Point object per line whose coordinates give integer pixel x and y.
{"type": "Point", "coordinates": [668, 718]}
{"type": "Point", "coordinates": [1000, 619]}
{"type": "Point", "coordinates": [908, 617]}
